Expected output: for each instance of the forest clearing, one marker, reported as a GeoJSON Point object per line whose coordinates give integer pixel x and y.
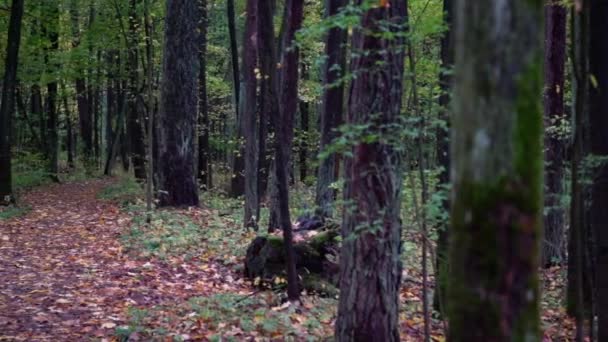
{"type": "Point", "coordinates": [304, 170]}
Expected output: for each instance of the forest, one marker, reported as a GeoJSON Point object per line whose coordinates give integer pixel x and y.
{"type": "Point", "coordinates": [304, 170]}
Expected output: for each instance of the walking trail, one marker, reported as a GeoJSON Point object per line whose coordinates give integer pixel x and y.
{"type": "Point", "coordinates": [64, 276]}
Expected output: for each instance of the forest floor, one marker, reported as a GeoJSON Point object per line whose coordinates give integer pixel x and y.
{"type": "Point", "coordinates": [76, 267]}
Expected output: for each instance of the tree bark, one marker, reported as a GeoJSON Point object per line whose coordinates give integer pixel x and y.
{"type": "Point", "coordinates": [178, 113]}
{"type": "Point", "coordinates": [268, 68]}
{"type": "Point", "coordinates": [51, 102]}
{"type": "Point", "coordinates": [250, 50]}
{"type": "Point", "coordinates": [135, 130]}
{"type": "Point", "coordinates": [203, 115]}
{"type": "Point", "coordinates": [555, 57]}
{"type": "Point", "coordinates": [237, 184]}
{"type": "Point", "coordinates": [7, 105]}
{"type": "Point", "coordinates": [332, 107]}
{"type": "Point", "coordinates": [578, 296]}
{"type": "Point", "coordinates": [598, 111]}
{"type": "Point", "coordinates": [443, 153]}
{"type": "Point", "coordinates": [370, 264]}
{"type": "Point", "coordinates": [497, 163]}
{"type": "Point", "coordinates": [288, 95]}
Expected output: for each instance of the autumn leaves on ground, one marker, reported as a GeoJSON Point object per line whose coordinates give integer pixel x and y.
{"type": "Point", "coordinates": [79, 266]}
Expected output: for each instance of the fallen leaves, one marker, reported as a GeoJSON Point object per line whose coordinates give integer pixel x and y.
{"type": "Point", "coordinates": [66, 276]}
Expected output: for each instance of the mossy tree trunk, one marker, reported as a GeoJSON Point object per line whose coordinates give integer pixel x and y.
{"type": "Point", "coordinates": [555, 57]}
{"type": "Point", "coordinates": [497, 164]}
{"type": "Point", "coordinates": [7, 106]}
{"type": "Point", "coordinates": [178, 184]}
{"type": "Point", "coordinates": [598, 129]}
{"type": "Point", "coordinates": [370, 260]}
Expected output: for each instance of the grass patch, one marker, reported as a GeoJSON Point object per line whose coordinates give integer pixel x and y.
{"type": "Point", "coordinates": [29, 170]}
{"type": "Point", "coordinates": [233, 317]}
{"type": "Point", "coordinates": [126, 191]}
{"type": "Point", "coordinates": [10, 212]}
{"type": "Point", "coordinates": [167, 234]}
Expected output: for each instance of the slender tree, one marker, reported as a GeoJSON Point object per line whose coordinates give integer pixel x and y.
{"type": "Point", "coordinates": [203, 108]}
{"type": "Point", "coordinates": [250, 45]}
{"type": "Point", "coordinates": [178, 106]}
{"type": "Point", "coordinates": [288, 96]}
{"type": "Point", "coordinates": [135, 130]}
{"type": "Point", "coordinates": [370, 264]}
{"type": "Point", "coordinates": [578, 288]}
{"type": "Point", "coordinates": [555, 57]}
{"type": "Point", "coordinates": [8, 95]}
{"type": "Point", "coordinates": [443, 151]}
{"type": "Point", "coordinates": [332, 106]}
{"type": "Point", "coordinates": [237, 184]}
{"type": "Point", "coordinates": [598, 128]}
{"type": "Point", "coordinates": [52, 121]}
{"type": "Point", "coordinates": [268, 69]}
{"type": "Point", "coordinates": [496, 224]}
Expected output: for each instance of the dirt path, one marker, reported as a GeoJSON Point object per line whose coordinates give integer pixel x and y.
{"type": "Point", "coordinates": [64, 277]}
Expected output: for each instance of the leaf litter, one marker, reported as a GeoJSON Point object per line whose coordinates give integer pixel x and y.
{"type": "Point", "coordinates": [67, 275]}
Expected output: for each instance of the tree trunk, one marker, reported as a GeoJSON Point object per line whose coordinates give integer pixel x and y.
{"type": "Point", "coordinates": [51, 102]}
{"type": "Point", "coordinates": [38, 112]}
{"type": "Point", "coordinates": [555, 57]}
{"type": "Point", "coordinates": [370, 262]}
{"type": "Point", "coordinates": [250, 50]}
{"type": "Point", "coordinates": [203, 108]}
{"type": "Point", "coordinates": [288, 95]}
{"type": "Point", "coordinates": [237, 184]}
{"type": "Point", "coordinates": [598, 110]}
{"type": "Point", "coordinates": [7, 106]}
{"type": "Point", "coordinates": [304, 136]}
{"type": "Point", "coordinates": [178, 113]}
{"type": "Point", "coordinates": [110, 101]}
{"type": "Point", "coordinates": [332, 107]}
{"type": "Point", "coordinates": [578, 292]}
{"type": "Point", "coordinates": [443, 153]}
{"type": "Point", "coordinates": [497, 163]}
{"type": "Point", "coordinates": [268, 68]}
{"type": "Point", "coordinates": [135, 129]}
{"type": "Point", "coordinates": [69, 131]}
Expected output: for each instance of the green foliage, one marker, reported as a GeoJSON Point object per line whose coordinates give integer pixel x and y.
{"type": "Point", "coordinates": [7, 213]}
{"type": "Point", "coordinates": [167, 234]}
{"type": "Point", "coordinates": [29, 170]}
{"type": "Point", "coordinates": [125, 191]}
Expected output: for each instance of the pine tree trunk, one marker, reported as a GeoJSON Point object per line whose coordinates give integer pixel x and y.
{"type": "Point", "coordinates": [497, 164]}
{"type": "Point", "coordinates": [598, 110]}
{"type": "Point", "coordinates": [332, 107]}
{"type": "Point", "coordinates": [7, 106]}
{"type": "Point", "coordinates": [178, 107]}
{"type": "Point", "coordinates": [250, 50]}
{"type": "Point", "coordinates": [555, 57]}
{"type": "Point", "coordinates": [370, 264]}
